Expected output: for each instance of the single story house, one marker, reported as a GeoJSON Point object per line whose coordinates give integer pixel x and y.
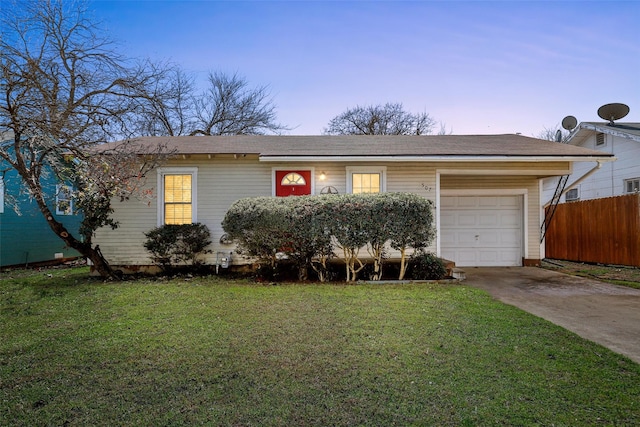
{"type": "Point", "coordinates": [486, 189]}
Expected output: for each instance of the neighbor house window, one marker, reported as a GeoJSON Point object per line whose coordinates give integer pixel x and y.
{"type": "Point", "coordinates": [600, 139]}
{"type": "Point", "coordinates": [64, 200]}
{"type": "Point", "coordinates": [366, 180]}
{"type": "Point", "coordinates": [632, 185]}
{"type": "Point", "coordinates": [177, 195]}
{"type": "Point", "coordinates": [571, 195]}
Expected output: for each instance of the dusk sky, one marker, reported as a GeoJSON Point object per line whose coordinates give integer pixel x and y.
{"type": "Point", "coordinates": [479, 67]}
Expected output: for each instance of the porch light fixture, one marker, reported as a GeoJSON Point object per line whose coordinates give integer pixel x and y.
{"type": "Point", "coordinates": [323, 176]}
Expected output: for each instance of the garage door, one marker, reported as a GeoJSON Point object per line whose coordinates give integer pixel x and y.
{"type": "Point", "coordinates": [481, 231]}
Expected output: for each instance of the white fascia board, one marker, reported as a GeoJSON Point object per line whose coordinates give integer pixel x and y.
{"type": "Point", "coordinates": [494, 171]}
{"type": "Point", "coordinates": [479, 159]}
{"type": "Point", "coordinates": [484, 192]}
{"type": "Point", "coordinates": [610, 130]}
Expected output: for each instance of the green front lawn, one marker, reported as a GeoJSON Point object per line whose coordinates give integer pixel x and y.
{"type": "Point", "coordinates": [76, 351]}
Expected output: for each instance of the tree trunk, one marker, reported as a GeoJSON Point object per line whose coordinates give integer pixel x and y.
{"type": "Point", "coordinates": [303, 272]}
{"type": "Point", "coordinates": [320, 267]}
{"type": "Point", "coordinates": [403, 263]}
{"type": "Point", "coordinates": [376, 253]}
{"type": "Point", "coordinates": [350, 259]}
{"type": "Point", "coordinates": [100, 264]}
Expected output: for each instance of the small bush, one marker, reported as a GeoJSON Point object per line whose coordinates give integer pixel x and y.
{"type": "Point", "coordinates": [427, 266]}
{"type": "Point", "coordinates": [172, 245]}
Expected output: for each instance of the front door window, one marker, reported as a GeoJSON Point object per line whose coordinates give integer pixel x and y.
{"type": "Point", "coordinates": [293, 183]}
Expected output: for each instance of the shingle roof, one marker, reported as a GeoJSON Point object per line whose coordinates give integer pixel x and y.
{"type": "Point", "coordinates": [361, 146]}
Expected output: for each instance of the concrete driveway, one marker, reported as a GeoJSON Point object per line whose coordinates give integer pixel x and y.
{"type": "Point", "coordinates": [606, 314]}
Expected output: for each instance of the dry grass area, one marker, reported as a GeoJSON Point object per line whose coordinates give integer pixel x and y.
{"type": "Point", "coordinates": [618, 274]}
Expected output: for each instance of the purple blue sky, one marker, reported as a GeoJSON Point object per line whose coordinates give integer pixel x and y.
{"type": "Point", "coordinates": [479, 67]}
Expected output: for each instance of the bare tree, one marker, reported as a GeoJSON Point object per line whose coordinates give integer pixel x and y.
{"type": "Point", "coordinates": [167, 104]}
{"type": "Point", "coordinates": [387, 119]}
{"type": "Point", "coordinates": [554, 134]}
{"type": "Point", "coordinates": [64, 90]}
{"type": "Point", "coordinates": [230, 107]}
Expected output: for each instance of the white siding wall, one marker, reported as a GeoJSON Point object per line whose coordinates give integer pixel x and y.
{"type": "Point", "coordinates": [336, 176]}
{"type": "Point", "coordinates": [412, 178]}
{"type": "Point", "coordinates": [609, 180]}
{"type": "Point", "coordinates": [220, 182]}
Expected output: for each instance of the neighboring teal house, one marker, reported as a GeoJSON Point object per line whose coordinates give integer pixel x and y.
{"type": "Point", "coordinates": [25, 236]}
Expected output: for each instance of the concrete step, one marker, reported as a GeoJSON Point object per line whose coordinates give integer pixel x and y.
{"type": "Point", "coordinates": [458, 273]}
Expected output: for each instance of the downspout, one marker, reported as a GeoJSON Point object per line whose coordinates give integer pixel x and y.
{"type": "Point", "coordinates": [576, 182]}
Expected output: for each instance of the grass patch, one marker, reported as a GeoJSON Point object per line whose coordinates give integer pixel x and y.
{"type": "Point", "coordinates": [603, 278]}
{"type": "Point", "coordinates": [626, 283]}
{"type": "Point", "coordinates": [76, 351]}
{"type": "Point", "coordinates": [615, 274]}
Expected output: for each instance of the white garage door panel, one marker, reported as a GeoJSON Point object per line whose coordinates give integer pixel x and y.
{"type": "Point", "coordinates": [488, 220]}
{"type": "Point", "coordinates": [510, 239]}
{"type": "Point", "coordinates": [465, 219]}
{"type": "Point", "coordinates": [487, 202]}
{"type": "Point", "coordinates": [466, 257]}
{"type": "Point", "coordinates": [447, 221]}
{"type": "Point", "coordinates": [447, 202]}
{"type": "Point", "coordinates": [481, 230]}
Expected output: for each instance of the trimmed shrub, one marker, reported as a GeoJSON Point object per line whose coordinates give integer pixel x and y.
{"type": "Point", "coordinates": [310, 244]}
{"type": "Point", "coordinates": [411, 225]}
{"type": "Point", "coordinates": [349, 222]}
{"type": "Point", "coordinates": [173, 245]}
{"type": "Point", "coordinates": [272, 228]}
{"type": "Point", "coordinates": [427, 266]}
{"type": "Point", "coordinates": [258, 227]}
{"type": "Point", "coordinates": [304, 229]}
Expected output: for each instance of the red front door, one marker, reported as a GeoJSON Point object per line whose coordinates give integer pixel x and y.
{"type": "Point", "coordinates": [293, 182]}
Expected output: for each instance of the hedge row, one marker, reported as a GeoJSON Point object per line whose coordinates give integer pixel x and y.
{"type": "Point", "coordinates": [307, 229]}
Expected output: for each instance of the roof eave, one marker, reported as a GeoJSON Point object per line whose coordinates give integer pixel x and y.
{"type": "Point", "coordinates": [437, 159]}
{"type": "Point", "coordinates": [602, 128]}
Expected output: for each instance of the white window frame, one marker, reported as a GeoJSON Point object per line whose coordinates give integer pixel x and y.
{"type": "Point", "coordinates": [632, 181]}
{"type": "Point", "coordinates": [59, 189]}
{"type": "Point", "coordinates": [382, 170]}
{"type": "Point", "coordinates": [162, 172]}
{"type": "Point", "coordinates": [1, 194]}
{"type": "Point", "coordinates": [568, 198]}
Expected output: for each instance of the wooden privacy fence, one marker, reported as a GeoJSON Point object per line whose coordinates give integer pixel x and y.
{"type": "Point", "coordinates": [605, 231]}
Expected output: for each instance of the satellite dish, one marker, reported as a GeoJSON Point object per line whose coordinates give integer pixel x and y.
{"type": "Point", "coordinates": [613, 112]}
{"type": "Point", "coordinates": [558, 137]}
{"type": "Point", "coordinates": [569, 122]}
